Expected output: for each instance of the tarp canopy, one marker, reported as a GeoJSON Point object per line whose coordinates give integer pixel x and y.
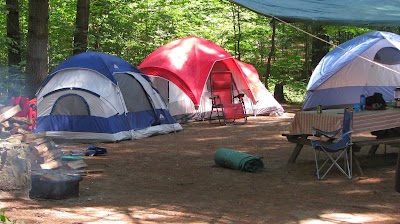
{"type": "Point", "coordinates": [339, 12]}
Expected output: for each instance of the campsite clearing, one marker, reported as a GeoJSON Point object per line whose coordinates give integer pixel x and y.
{"type": "Point", "coordinates": [173, 178]}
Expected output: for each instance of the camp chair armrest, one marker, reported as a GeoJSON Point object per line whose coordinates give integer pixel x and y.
{"type": "Point", "coordinates": [331, 146]}
{"type": "Point", "coordinates": [240, 95]}
{"type": "Point", "coordinates": [216, 99]}
{"type": "Point", "coordinates": [345, 134]}
{"type": "Point", "coordinates": [329, 134]}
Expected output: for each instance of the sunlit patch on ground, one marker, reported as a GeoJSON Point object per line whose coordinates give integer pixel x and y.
{"type": "Point", "coordinates": [354, 218]}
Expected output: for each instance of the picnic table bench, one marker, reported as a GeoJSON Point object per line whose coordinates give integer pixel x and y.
{"type": "Point", "coordinates": [363, 122]}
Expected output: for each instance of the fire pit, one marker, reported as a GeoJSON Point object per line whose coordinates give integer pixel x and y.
{"type": "Point", "coordinates": [54, 185]}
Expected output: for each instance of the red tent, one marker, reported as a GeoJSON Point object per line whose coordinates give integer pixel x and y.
{"type": "Point", "coordinates": [187, 62]}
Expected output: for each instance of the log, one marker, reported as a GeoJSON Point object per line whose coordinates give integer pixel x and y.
{"type": "Point", "coordinates": [4, 108]}
{"type": "Point", "coordinates": [5, 124]}
{"type": "Point", "coordinates": [4, 135]}
{"type": "Point", "coordinates": [50, 155]}
{"type": "Point", "coordinates": [78, 164]}
{"type": "Point", "coordinates": [17, 138]}
{"type": "Point", "coordinates": [9, 112]}
{"type": "Point", "coordinates": [21, 120]}
{"type": "Point", "coordinates": [18, 130]}
{"type": "Point", "coordinates": [44, 147]}
{"type": "Point", "coordinates": [36, 142]}
{"type": "Point", "coordinates": [29, 137]}
{"type": "Point", "coordinates": [51, 165]}
{"type": "Point", "coordinates": [23, 126]}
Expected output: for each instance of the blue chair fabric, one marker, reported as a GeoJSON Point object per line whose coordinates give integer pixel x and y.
{"type": "Point", "coordinates": [334, 149]}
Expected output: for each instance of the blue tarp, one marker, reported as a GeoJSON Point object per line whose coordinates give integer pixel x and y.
{"type": "Point", "coordinates": [334, 12]}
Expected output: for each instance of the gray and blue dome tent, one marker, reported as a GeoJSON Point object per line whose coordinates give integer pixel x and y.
{"type": "Point", "coordinates": [366, 64]}
{"type": "Point", "coordinates": [95, 96]}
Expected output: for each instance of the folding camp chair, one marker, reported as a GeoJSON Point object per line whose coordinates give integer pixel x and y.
{"type": "Point", "coordinates": [226, 106]}
{"type": "Point", "coordinates": [334, 148]}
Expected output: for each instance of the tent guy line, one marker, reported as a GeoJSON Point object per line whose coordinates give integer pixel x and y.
{"type": "Point", "coordinates": [361, 13]}
{"type": "Point", "coordinates": [330, 43]}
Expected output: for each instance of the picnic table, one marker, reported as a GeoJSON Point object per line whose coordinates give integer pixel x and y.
{"type": "Point", "coordinates": [331, 119]}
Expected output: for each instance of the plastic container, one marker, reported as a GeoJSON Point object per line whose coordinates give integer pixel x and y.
{"type": "Point", "coordinates": [362, 102]}
{"type": "Point", "coordinates": [356, 107]}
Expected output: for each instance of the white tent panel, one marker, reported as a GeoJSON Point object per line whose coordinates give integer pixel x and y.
{"type": "Point", "coordinates": [98, 105]}
{"type": "Point", "coordinates": [363, 71]}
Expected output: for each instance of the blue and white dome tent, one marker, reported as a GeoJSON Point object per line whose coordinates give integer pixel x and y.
{"type": "Point", "coordinates": [99, 97]}
{"type": "Point", "coordinates": [367, 64]}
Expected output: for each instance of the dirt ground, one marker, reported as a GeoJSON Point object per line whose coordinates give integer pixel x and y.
{"type": "Point", "coordinates": [173, 179]}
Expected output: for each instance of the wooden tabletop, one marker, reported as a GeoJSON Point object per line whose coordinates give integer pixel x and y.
{"type": "Point", "coordinates": [330, 120]}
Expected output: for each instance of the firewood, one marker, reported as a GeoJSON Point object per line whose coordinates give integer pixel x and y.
{"type": "Point", "coordinates": [9, 112]}
{"type": "Point", "coordinates": [21, 120]}
{"type": "Point", "coordinates": [78, 164]}
{"type": "Point", "coordinates": [4, 108]}
{"type": "Point", "coordinates": [50, 155]}
{"type": "Point", "coordinates": [44, 147]}
{"type": "Point", "coordinates": [37, 141]}
{"type": "Point", "coordinates": [4, 135]}
{"type": "Point", "coordinates": [17, 138]}
{"type": "Point", "coordinates": [29, 137]}
{"type": "Point", "coordinates": [51, 165]}
{"type": "Point", "coordinates": [5, 124]}
{"type": "Point", "coordinates": [18, 130]}
{"type": "Point", "coordinates": [33, 155]}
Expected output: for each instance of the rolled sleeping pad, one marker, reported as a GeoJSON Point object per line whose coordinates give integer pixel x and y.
{"type": "Point", "coordinates": [238, 160]}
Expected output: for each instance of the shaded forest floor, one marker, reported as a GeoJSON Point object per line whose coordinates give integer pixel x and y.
{"type": "Point", "coordinates": [173, 179]}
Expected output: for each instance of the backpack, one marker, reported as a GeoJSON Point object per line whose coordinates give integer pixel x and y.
{"type": "Point", "coordinates": [375, 102]}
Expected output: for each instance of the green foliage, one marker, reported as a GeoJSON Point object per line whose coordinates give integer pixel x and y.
{"type": "Point", "coordinates": [5, 219]}
{"type": "Point", "coordinates": [133, 29]}
{"type": "Point", "coordinates": [61, 30]}
{"type": "Point", "coordinates": [295, 92]}
{"type": "Point", "coordinates": [11, 84]}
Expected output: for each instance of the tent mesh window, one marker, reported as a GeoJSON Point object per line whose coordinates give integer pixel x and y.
{"type": "Point", "coordinates": [388, 56]}
{"type": "Point", "coordinates": [70, 104]}
{"type": "Point", "coordinates": [162, 87]}
{"type": "Point", "coordinates": [136, 101]}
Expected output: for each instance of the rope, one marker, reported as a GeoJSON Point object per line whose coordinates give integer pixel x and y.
{"type": "Point", "coordinates": [334, 45]}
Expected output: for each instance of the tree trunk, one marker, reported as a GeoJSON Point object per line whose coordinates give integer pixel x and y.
{"type": "Point", "coordinates": [307, 67]}
{"type": "Point", "coordinates": [38, 35]}
{"type": "Point", "coordinates": [236, 29]}
{"type": "Point", "coordinates": [319, 47]}
{"type": "Point", "coordinates": [82, 26]}
{"type": "Point", "coordinates": [13, 33]}
{"type": "Point", "coordinates": [397, 174]}
{"type": "Point", "coordinates": [278, 93]}
{"type": "Point", "coordinates": [270, 55]}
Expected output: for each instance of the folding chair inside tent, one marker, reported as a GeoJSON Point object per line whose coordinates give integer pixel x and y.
{"type": "Point", "coordinates": [336, 149]}
{"type": "Point", "coordinates": [225, 104]}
